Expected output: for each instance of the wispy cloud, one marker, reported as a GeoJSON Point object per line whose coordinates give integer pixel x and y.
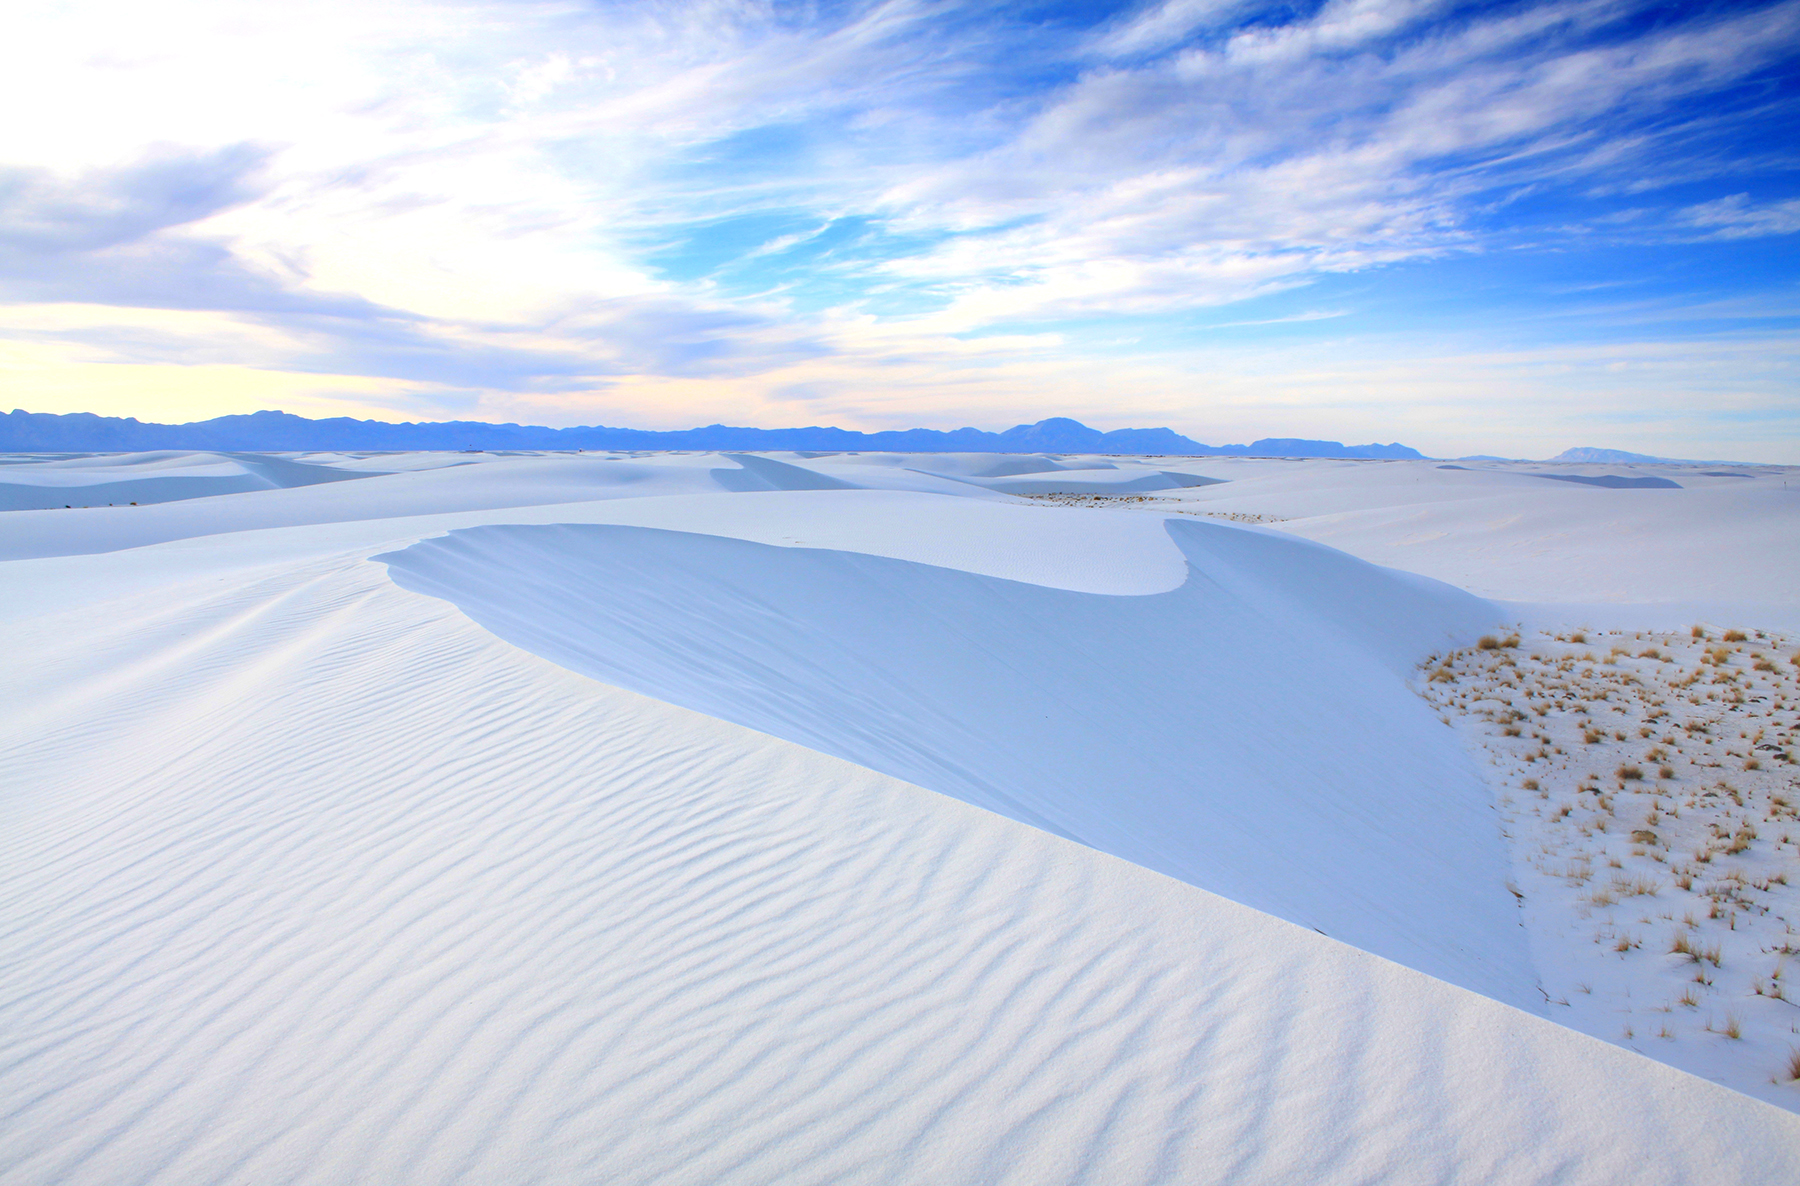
{"type": "Point", "coordinates": [536, 197]}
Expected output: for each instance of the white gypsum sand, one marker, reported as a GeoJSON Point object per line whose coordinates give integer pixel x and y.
{"type": "Point", "coordinates": [605, 845]}
{"type": "Point", "coordinates": [1649, 788]}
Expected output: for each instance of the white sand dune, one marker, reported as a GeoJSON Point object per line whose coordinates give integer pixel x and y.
{"type": "Point", "coordinates": [1249, 732]}
{"type": "Point", "coordinates": [142, 478]}
{"type": "Point", "coordinates": [309, 877]}
{"type": "Point", "coordinates": [1718, 546]}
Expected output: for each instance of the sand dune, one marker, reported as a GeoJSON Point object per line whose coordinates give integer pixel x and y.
{"type": "Point", "coordinates": [139, 479]}
{"type": "Point", "coordinates": [1249, 732]}
{"type": "Point", "coordinates": [641, 836]}
{"type": "Point", "coordinates": [312, 880]}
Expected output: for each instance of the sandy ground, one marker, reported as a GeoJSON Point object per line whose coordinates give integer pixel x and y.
{"type": "Point", "coordinates": [694, 817]}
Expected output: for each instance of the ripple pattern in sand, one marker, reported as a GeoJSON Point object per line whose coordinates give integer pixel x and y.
{"type": "Point", "coordinates": [308, 879]}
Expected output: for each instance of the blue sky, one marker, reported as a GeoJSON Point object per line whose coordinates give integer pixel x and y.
{"type": "Point", "coordinates": [1501, 227]}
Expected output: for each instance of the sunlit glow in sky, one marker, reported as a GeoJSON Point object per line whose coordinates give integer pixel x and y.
{"type": "Point", "coordinates": [1495, 227]}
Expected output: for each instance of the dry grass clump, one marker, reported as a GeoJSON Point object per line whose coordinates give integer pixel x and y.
{"type": "Point", "coordinates": [1608, 854]}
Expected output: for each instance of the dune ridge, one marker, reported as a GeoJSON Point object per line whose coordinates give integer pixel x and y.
{"type": "Point", "coordinates": [1249, 731]}
{"type": "Point", "coordinates": [319, 882]}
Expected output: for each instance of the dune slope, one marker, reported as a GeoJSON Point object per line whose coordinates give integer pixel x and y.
{"type": "Point", "coordinates": [307, 879]}
{"type": "Point", "coordinates": [1249, 732]}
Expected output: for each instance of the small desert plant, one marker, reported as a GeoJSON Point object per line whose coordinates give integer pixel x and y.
{"type": "Point", "coordinates": [1578, 636]}
{"type": "Point", "coordinates": [1699, 632]}
{"type": "Point", "coordinates": [1629, 773]}
{"type": "Point", "coordinates": [1530, 784]}
{"type": "Point", "coordinates": [1752, 764]}
{"type": "Point", "coordinates": [1666, 772]}
{"type": "Point", "coordinates": [1736, 636]}
{"type": "Point", "coordinates": [1793, 1065]}
{"type": "Point", "coordinates": [1488, 643]}
{"type": "Point", "coordinates": [1733, 1029]}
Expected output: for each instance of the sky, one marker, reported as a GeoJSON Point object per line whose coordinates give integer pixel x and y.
{"type": "Point", "coordinates": [1504, 228]}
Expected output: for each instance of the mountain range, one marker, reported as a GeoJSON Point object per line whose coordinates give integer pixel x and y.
{"type": "Point", "coordinates": [84, 432]}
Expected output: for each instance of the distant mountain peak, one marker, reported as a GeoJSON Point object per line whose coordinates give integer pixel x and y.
{"type": "Point", "coordinates": [281, 432]}
{"type": "Point", "coordinates": [1588, 455]}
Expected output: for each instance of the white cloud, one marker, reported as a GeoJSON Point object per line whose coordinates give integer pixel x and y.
{"type": "Point", "coordinates": [422, 189]}
{"type": "Point", "coordinates": [1737, 217]}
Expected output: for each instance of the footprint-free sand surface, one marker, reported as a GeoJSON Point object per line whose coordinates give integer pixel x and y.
{"type": "Point", "coordinates": [701, 818]}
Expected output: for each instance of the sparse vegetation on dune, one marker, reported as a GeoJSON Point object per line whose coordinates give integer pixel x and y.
{"type": "Point", "coordinates": [1153, 501]}
{"type": "Point", "coordinates": [1701, 732]}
